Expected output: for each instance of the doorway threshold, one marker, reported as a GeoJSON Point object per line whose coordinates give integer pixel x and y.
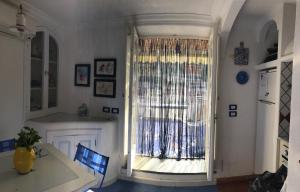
{"type": "Point", "coordinates": [170, 166]}
{"type": "Point", "coordinates": [167, 179]}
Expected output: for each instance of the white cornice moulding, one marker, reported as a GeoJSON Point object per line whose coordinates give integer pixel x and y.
{"type": "Point", "coordinates": [11, 3]}
{"type": "Point", "coordinates": [40, 17]}
{"type": "Point", "coordinates": [172, 19]}
{"type": "Point", "coordinates": [4, 30]}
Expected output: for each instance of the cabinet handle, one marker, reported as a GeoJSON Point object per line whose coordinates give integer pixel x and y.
{"type": "Point", "coordinates": [46, 73]}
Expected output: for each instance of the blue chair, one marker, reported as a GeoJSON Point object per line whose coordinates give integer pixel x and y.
{"type": "Point", "coordinates": [93, 160]}
{"type": "Point", "coordinates": [7, 145]}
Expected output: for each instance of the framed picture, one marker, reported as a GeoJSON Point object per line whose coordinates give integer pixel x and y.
{"type": "Point", "coordinates": [241, 55]}
{"type": "Point", "coordinates": [82, 75]}
{"type": "Point", "coordinates": [105, 88]}
{"type": "Point", "coordinates": [105, 68]}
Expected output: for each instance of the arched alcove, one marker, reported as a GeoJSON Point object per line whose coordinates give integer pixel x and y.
{"type": "Point", "coordinates": [268, 39]}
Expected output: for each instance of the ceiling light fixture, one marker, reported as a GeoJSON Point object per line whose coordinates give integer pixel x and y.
{"type": "Point", "coordinates": [20, 26]}
{"type": "Point", "coordinates": [21, 20]}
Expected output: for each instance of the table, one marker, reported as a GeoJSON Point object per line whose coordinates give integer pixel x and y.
{"type": "Point", "coordinates": [53, 172]}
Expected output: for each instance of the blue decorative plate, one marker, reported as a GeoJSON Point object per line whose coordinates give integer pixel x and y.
{"type": "Point", "coordinates": [242, 77]}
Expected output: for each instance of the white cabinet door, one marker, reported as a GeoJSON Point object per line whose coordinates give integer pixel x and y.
{"type": "Point", "coordinates": [88, 141]}
{"type": "Point", "coordinates": [266, 138]}
{"type": "Point", "coordinates": [67, 140]}
{"type": "Point", "coordinates": [65, 144]}
{"type": "Point", "coordinates": [263, 85]}
{"type": "Point", "coordinates": [268, 85]}
{"type": "Point", "coordinates": [272, 86]}
{"type": "Point", "coordinates": [42, 61]}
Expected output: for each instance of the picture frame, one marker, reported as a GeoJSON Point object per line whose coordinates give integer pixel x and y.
{"type": "Point", "coordinates": [105, 67]}
{"type": "Point", "coordinates": [82, 75]}
{"type": "Point", "coordinates": [105, 88]}
{"type": "Point", "coordinates": [241, 55]}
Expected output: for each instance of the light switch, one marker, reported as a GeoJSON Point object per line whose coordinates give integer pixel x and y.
{"type": "Point", "coordinates": [106, 109]}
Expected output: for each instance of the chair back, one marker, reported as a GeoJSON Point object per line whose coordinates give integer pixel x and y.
{"type": "Point", "coordinates": [7, 145]}
{"type": "Point", "coordinates": [92, 159]}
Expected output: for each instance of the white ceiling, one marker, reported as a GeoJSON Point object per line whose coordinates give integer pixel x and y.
{"type": "Point", "coordinates": [66, 11]}
{"type": "Point", "coordinates": [175, 13]}
{"type": "Point", "coordinates": [260, 8]}
{"type": "Point", "coordinates": [93, 10]}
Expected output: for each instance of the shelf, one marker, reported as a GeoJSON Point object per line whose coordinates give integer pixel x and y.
{"type": "Point", "coordinates": [275, 63]}
{"type": "Point", "coordinates": [32, 109]}
{"type": "Point", "coordinates": [36, 88]}
{"type": "Point", "coordinates": [270, 64]}
{"type": "Point", "coordinates": [53, 62]}
{"type": "Point", "coordinates": [36, 58]}
{"type": "Point", "coordinates": [40, 59]}
{"type": "Point", "coordinates": [287, 58]}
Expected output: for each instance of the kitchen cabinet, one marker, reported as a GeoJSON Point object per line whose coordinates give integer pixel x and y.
{"type": "Point", "coordinates": [65, 144]}
{"type": "Point", "coordinates": [66, 141]}
{"type": "Point", "coordinates": [274, 96]}
{"type": "Point", "coordinates": [65, 131]}
{"type": "Point", "coordinates": [42, 75]}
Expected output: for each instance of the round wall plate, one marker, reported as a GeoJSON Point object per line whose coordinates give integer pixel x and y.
{"type": "Point", "coordinates": [242, 77]}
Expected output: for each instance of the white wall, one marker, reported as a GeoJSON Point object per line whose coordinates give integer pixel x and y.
{"type": "Point", "coordinates": [84, 43]}
{"type": "Point", "coordinates": [11, 77]}
{"type": "Point", "coordinates": [11, 86]}
{"type": "Point", "coordinates": [294, 141]}
{"type": "Point", "coordinates": [236, 136]}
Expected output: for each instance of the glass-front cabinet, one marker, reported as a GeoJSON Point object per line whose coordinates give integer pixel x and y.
{"type": "Point", "coordinates": [44, 59]}
{"type": "Point", "coordinates": [37, 72]}
{"type": "Point", "coordinates": [52, 74]}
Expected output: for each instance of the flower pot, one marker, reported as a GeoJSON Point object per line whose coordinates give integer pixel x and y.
{"type": "Point", "coordinates": [23, 159]}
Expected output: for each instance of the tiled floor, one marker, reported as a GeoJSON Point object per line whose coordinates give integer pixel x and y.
{"type": "Point", "coordinates": [125, 186]}
{"type": "Point", "coordinates": [169, 165]}
{"type": "Point", "coordinates": [236, 186]}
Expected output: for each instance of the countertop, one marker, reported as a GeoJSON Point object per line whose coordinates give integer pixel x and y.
{"type": "Point", "coordinates": [65, 120]}
{"type": "Point", "coordinates": [66, 117]}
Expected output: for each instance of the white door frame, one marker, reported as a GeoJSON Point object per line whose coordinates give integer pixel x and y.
{"type": "Point", "coordinates": [131, 105]}
{"type": "Point", "coordinates": [210, 149]}
{"type": "Point", "coordinates": [211, 133]}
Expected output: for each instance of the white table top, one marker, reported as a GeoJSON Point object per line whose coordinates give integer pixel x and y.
{"type": "Point", "coordinates": [51, 173]}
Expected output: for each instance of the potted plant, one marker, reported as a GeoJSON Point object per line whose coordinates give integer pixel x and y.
{"type": "Point", "coordinates": [24, 154]}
